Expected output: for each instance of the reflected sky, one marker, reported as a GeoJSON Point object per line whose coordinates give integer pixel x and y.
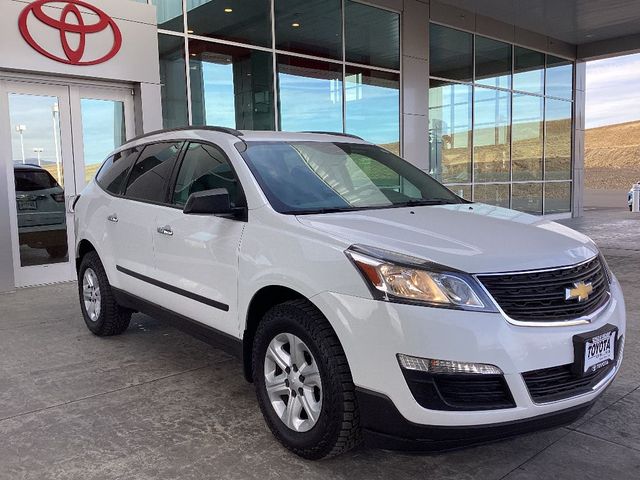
{"type": "Point", "coordinates": [102, 128]}
{"type": "Point", "coordinates": [219, 96]}
{"type": "Point", "coordinates": [35, 114]}
{"type": "Point", "coordinates": [308, 103]}
{"type": "Point", "coordinates": [372, 111]}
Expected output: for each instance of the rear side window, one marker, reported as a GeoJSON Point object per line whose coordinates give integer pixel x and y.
{"type": "Point", "coordinates": [150, 174]}
{"type": "Point", "coordinates": [205, 168]}
{"type": "Point", "coordinates": [115, 169]}
{"type": "Point", "coordinates": [33, 180]}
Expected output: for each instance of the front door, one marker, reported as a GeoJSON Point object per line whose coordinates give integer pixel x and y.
{"type": "Point", "coordinates": [54, 138]}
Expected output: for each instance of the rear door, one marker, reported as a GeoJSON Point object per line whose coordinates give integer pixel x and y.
{"type": "Point", "coordinates": [197, 255]}
{"type": "Point", "coordinates": [133, 218]}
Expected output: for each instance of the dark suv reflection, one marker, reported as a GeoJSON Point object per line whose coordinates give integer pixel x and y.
{"type": "Point", "coordinates": [41, 215]}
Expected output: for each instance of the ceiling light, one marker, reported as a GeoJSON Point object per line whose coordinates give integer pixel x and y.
{"type": "Point", "coordinates": [295, 24]}
{"type": "Point", "coordinates": [189, 31]}
{"type": "Point", "coordinates": [228, 10]}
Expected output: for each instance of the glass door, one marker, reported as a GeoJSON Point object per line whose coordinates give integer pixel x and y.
{"type": "Point", "coordinates": [55, 138]}
{"type": "Point", "coordinates": [105, 119]}
{"type": "Point", "coordinates": [41, 165]}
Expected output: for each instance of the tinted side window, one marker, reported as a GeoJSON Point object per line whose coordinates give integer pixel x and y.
{"type": "Point", "coordinates": [115, 169]}
{"type": "Point", "coordinates": [151, 172]}
{"type": "Point", "coordinates": [204, 168]}
{"type": "Point", "coordinates": [33, 180]}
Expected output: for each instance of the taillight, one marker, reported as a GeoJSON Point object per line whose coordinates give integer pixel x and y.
{"type": "Point", "coordinates": [58, 197]}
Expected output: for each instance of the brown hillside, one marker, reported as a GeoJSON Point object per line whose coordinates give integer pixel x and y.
{"type": "Point", "coordinates": [612, 156]}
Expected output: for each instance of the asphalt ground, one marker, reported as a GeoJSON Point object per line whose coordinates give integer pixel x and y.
{"type": "Point", "coordinates": [157, 404]}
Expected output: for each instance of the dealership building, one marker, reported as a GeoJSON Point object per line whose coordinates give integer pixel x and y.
{"type": "Point", "coordinates": [487, 96]}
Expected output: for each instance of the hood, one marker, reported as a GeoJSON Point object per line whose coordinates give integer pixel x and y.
{"type": "Point", "coordinates": [475, 238]}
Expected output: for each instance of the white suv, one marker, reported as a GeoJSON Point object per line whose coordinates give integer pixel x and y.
{"type": "Point", "coordinates": [365, 299]}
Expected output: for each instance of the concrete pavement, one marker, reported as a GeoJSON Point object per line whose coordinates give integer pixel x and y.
{"type": "Point", "coordinates": [155, 403]}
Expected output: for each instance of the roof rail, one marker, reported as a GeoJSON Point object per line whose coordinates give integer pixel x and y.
{"type": "Point", "coordinates": [230, 131]}
{"type": "Point", "coordinates": [339, 134]}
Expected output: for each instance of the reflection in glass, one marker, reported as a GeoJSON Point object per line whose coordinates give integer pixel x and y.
{"type": "Point", "coordinates": [103, 130]}
{"type": "Point", "coordinates": [493, 63]}
{"type": "Point", "coordinates": [245, 21]}
{"type": "Point", "coordinates": [310, 95]}
{"type": "Point", "coordinates": [38, 173]}
{"type": "Point", "coordinates": [463, 191]}
{"type": "Point", "coordinates": [151, 172]}
{"type": "Point", "coordinates": [527, 197]}
{"type": "Point", "coordinates": [205, 167]}
{"type": "Point", "coordinates": [528, 70]}
{"type": "Point", "coordinates": [313, 27]}
{"type": "Point", "coordinates": [450, 131]}
{"type": "Point", "coordinates": [173, 81]}
{"type": "Point", "coordinates": [559, 77]}
{"type": "Point", "coordinates": [492, 194]}
{"type": "Point", "coordinates": [451, 53]}
{"type": "Point", "coordinates": [491, 130]}
{"type": "Point", "coordinates": [373, 106]}
{"type": "Point", "coordinates": [231, 86]}
{"type": "Point", "coordinates": [372, 35]}
{"type": "Point", "coordinates": [558, 140]}
{"type": "Point", "coordinates": [557, 197]}
{"type": "Point", "coordinates": [527, 132]}
{"type": "Point", "coordinates": [169, 14]}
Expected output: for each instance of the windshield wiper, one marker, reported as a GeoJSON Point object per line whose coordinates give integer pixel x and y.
{"type": "Point", "coordinates": [425, 202]}
{"type": "Point", "coordinates": [312, 211]}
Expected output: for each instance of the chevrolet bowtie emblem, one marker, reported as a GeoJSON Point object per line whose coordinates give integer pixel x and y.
{"type": "Point", "coordinates": [580, 290]}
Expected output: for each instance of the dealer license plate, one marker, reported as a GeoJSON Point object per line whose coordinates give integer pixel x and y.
{"type": "Point", "coordinates": [27, 205]}
{"type": "Point", "coordinates": [595, 350]}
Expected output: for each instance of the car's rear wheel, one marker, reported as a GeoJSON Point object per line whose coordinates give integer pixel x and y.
{"type": "Point", "coordinates": [102, 314]}
{"type": "Point", "coordinates": [303, 382]}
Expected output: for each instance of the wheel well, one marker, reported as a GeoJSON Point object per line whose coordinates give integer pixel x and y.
{"type": "Point", "coordinates": [261, 302]}
{"type": "Point", "coordinates": [84, 247]}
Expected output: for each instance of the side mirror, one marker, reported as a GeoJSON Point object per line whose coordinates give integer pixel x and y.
{"type": "Point", "coordinates": [209, 202]}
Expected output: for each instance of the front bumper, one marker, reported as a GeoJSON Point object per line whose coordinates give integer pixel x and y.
{"type": "Point", "coordinates": [373, 332]}
{"type": "Point", "coordinates": [385, 427]}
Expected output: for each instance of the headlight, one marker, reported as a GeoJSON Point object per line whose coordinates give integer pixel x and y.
{"type": "Point", "coordinates": [400, 278]}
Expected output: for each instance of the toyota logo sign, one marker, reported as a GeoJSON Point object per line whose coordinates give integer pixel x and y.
{"type": "Point", "coordinates": [74, 26]}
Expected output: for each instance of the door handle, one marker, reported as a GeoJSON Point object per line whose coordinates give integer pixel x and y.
{"type": "Point", "coordinates": [71, 200]}
{"type": "Point", "coordinates": [166, 230]}
{"type": "Point", "coordinates": [113, 218]}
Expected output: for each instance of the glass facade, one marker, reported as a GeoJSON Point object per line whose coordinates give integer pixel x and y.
{"type": "Point", "coordinates": [500, 122]}
{"type": "Point", "coordinates": [312, 65]}
{"type": "Point", "coordinates": [500, 115]}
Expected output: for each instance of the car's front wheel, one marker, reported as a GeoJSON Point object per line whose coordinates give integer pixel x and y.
{"type": "Point", "coordinates": [101, 312]}
{"type": "Point", "coordinates": [303, 382]}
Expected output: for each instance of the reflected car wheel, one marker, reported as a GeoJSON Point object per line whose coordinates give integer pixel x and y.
{"type": "Point", "coordinates": [58, 251]}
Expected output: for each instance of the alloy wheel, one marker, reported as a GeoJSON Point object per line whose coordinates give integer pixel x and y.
{"type": "Point", "coordinates": [292, 381]}
{"type": "Point", "coordinates": [91, 294]}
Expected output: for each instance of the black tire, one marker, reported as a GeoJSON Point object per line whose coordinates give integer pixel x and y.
{"type": "Point", "coordinates": [57, 251]}
{"type": "Point", "coordinates": [112, 318]}
{"type": "Point", "coordinates": [337, 429]}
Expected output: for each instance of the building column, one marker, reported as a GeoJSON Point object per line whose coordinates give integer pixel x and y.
{"type": "Point", "coordinates": [579, 104]}
{"type": "Point", "coordinates": [7, 281]}
{"type": "Point", "coordinates": [148, 108]}
{"type": "Point", "coordinates": [415, 83]}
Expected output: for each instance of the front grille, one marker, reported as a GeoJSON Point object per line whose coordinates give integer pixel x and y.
{"type": "Point", "coordinates": [557, 383]}
{"type": "Point", "coordinates": [539, 296]}
{"type": "Point", "coordinates": [459, 391]}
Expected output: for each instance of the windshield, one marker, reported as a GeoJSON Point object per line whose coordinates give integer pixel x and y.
{"type": "Point", "coordinates": [320, 177]}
